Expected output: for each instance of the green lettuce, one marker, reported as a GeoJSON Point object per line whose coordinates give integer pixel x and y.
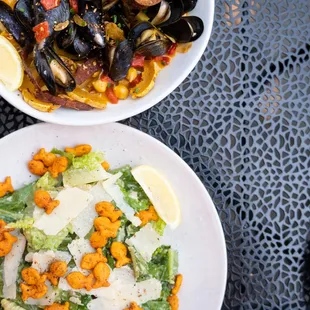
{"type": "Point", "coordinates": [163, 266]}
{"type": "Point", "coordinates": [89, 161]}
{"type": "Point", "coordinates": [47, 182]}
{"type": "Point", "coordinates": [25, 223]}
{"type": "Point", "coordinates": [12, 206]}
{"type": "Point", "coordinates": [156, 305]}
{"type": "Point", "coordinates": [38, 240]}
{"type": "Point", "coordinates": [64, 296]}
{"type": "Point", "coordinates": [133, 192]}
{"type": "Point", "coordinates": [159, 226]}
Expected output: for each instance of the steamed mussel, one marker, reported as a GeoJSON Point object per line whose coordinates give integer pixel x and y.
{"type": "Point", "coordinates": [107, 40]}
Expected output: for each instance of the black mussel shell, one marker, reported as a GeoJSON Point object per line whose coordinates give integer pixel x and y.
{"type": "Point", "coordinates": [176, 12]}
{"type": "Point", "coordinates": [55, 16]}
{"type": "Point", "coordinates": [24, 12]}
{"type": "Point", "coordinates": [121, 60]}
{"type": "Point", "coordinates": [137, 30]}
{"type": "Point", "coordinates": [186, 29]}
{"type": "Point", "coordinates": [66, 37]}
{"type": "Point", "coordinates": [94, 30]}
{"type": "Point", "coordinates": [42, 65]}
{"type": "Point", "coordinates": [189, 5]}
{"type": "Point", "coordinates": [44, 61]}
{"type": "Point", "coordinates": [81, 47]}
{"type": "Point", "coordinates": [159, 13]}
{"type": "Point", "coordinates": [10, 22]}
{"type": "Point", "coordinates": [153, 48]}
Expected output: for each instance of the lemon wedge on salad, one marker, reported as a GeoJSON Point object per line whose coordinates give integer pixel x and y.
{"type": "Point", "coordinates": [161, 194]}
{"type": "Point", "coordinates": [11, 66]}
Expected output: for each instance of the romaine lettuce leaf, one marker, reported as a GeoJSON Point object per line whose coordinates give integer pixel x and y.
{"type": "Point", "coordinates": [133, 192]}
{"type": "Point", "coordinates": [38, 240]}
{"type": "Point", "coordinates": [65, 296]}
{"type": "Point", "coordinates": [156, 305]}
{"type": "Point", "coordinates": [159, 226]}
{"type": "Point", "coordinates": [89, 161]}
{"type": "Point", "coordinates": [12, 206]}
{"type": "Point", "coordinates": [47, 182]}
{"type": "Point", "coordinates": [22, 224]}
{"type": "Point", "coordinates": [163, 266]}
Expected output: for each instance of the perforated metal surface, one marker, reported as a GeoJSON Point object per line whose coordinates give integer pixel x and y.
{"type": "Point", "coordinates": [241, 120]}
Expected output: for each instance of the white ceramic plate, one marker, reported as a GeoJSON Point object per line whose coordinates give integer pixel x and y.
{"type": "Point", "coordinates": [199, 239]}
{"type": "Point", "coordinates": [167, 81]}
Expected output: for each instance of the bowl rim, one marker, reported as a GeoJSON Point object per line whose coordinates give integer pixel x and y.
{"type": "Point", "coordinates": [136, 109]}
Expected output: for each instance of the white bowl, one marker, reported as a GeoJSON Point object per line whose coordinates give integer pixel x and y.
{"type": "Point", "coordinates": [199, 239]}
{"type": "Point", "coordinates": [167, 81]}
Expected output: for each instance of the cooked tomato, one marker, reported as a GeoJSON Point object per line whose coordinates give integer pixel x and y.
{"type": "Point", "coordinates": [50, 4]}
{"type": "Point", "coordinates": [172, 50]}
{"type": "Point", "coordinates": [138, 61]}
{"type": "Point", "coordinates": [74, 5]}
{"type": "Point", "coordinates": [105, 78]}
{"type": "Point", "coordinates": [136, 81]}
{"type": "Point", "coordinates": [41, 31]}
{"type": "Point", "coordinates": [165, 60]}
{"type": "Point", "coordinates": [111, 95]}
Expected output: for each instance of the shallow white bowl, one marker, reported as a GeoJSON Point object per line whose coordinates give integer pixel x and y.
{"type": "Point", "coordinates": [199, 239]}
{"type": "Point", "coordinates": [167, 81]}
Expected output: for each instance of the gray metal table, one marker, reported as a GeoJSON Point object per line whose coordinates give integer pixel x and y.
{"type": "Point", "coordinates": [241, 120]}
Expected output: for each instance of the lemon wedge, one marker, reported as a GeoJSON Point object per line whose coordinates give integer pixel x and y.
{"type": "Point", "coordinates": [161, 194]}
{"type": "Point", "coordinates": [12, 71]}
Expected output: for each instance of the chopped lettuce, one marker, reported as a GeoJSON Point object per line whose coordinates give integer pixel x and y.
{"type": "Point", "coordinates": [89, 161]}
{"type": "Point", "coordinates": [47, 182]}
{"type": "Point", "coordinates": [133, 192]}
{"type": "Point", "coordinates": [1, 276]}
{"type": "Point", "coordinates": [131, 230]}
{"type": "Point", "coordinates": [38, 240]}
{"type": "Point", "coordinates": [65, 296]}
{"type": "Point", "coordinates": [163, 266]}
{"type": "Point", "coordinates": [25, 223]}
{"type": "Point", "coordinates": [12, 206]}
{"type": "Point", "coordinates": [159, 226]}
{"type": "Point", "coordinates": [10, 305]}
{"type": "Point", "coordinates": [156, 305]}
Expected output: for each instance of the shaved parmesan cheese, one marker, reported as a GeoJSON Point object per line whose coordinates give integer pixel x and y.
{"type": "Point", "coordinates": [115, 192]}
{"type": "Point", "coordinates": [83, 223]}
{"type": "Point", "coordinates": [124, 290]}
{"type": "Point", "coordinates": [145, 241]}
{"type": "Point", "coordinates": [37, 212]}
{"type": "Point", "coordinates": [41, 260]}
{"type": "Point", "coordinates": [47, 300]}
{"type": "Point", "coordinates": [10, 266]}
{"type": "Point", "coordinates": [76, 177]}
{"type": "Point", "coordinates": [72, 202]}
{"type": "Point", "coordinates": [78, 248]}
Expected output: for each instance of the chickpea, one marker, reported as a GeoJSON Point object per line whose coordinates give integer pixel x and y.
{"type": "Point", "coordinates": [100, 86]}
{"type": "Point", "coordinates": [132, 74]}
{"type": "Point", "coordinates": [121, 92]}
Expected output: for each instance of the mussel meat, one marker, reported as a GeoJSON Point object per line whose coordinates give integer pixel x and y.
{"type": "Point", "coordinates": [120, 57]}
{"type": "Point", "coordinates": [53, 71]}
{"type": "Point", "coordinates": [186, 29]}
{"type": "Point", "coordinates": [11, 24]}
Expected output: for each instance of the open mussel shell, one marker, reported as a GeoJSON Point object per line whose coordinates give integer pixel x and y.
{"type": "Point", "coordinates": [186, 29]}
{"type": "Point", "coordinates": [138, 29]}
{"type": "Point", "coordinates": [120, 58]}
{"type": "Point", "coordinates": [94, 30]}
{"type": "Point", "coordinates": [53, 71]}
{"type": "Point", "coordinates": [176, 9]}
{"type": "Point", "coordinates": [81, 47]}
{"type": "Point", "coordinates": [11, 24]}
{"type": "Point", "coordinates": [24, 12]}
{"type": "Point", "coordinates": [159, 13]}
{"type": "Point", "coordinates": [66, 37]}
{"type": "Point", "coordinates": [189, 5]}
{"type": "Point", "coordinates": [153, 48]}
